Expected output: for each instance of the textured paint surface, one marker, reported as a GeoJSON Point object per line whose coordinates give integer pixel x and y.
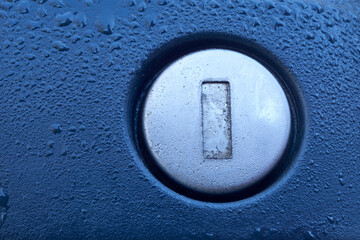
{"type": "Point", "coordinates": [67, 166]}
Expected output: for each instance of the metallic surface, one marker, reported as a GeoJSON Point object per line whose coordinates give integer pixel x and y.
{"type": "Point", "coordinates": [186, 121]}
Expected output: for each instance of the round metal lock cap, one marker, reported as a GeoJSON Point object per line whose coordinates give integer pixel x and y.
{"type": "Point", "coordinates": [216, 121]}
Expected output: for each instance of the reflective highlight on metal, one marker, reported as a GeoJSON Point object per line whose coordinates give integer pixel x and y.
{"type": "Point", "coordinates": [216, 121]}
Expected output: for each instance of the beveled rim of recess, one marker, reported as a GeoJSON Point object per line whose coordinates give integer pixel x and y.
{"type": "Point", "coordinates": [162, 57]}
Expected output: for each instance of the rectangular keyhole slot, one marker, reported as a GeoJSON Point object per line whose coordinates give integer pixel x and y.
{"type": "Point", "coordinates": [216, 120]}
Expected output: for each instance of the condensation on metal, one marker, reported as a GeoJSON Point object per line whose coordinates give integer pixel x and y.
{"type": "Point", "coordinates": [216, 121]}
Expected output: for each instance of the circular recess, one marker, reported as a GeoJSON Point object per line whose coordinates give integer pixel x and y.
{"type": "Point", "coordinates": [214, 123]}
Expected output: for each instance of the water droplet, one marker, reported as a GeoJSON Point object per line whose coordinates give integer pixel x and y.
{"type": "Point", "coordinates": [64, 19]}
{"type": "Point", "coordinates": [331, 219]}
{"type": "Point", "coordinates": [50, 143]}
{"type": "Point", "coordinates": [23, 7]}
{"type": "Point", "coordinates": [80, 20]}
{"type": "Point", "coordinates": [55, 128]}
{"type": "Point", "coordinates": [30, 56]}
{"type": "Point", "coordinates": [59, 46]}
{"type": "Point", "coordinates": [57, 3]}
{"type": "Point", "coordinates": [4, 198]}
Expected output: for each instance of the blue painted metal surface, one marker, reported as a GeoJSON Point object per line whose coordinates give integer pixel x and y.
{"type": "Point", "coordinates": [69, 78]}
